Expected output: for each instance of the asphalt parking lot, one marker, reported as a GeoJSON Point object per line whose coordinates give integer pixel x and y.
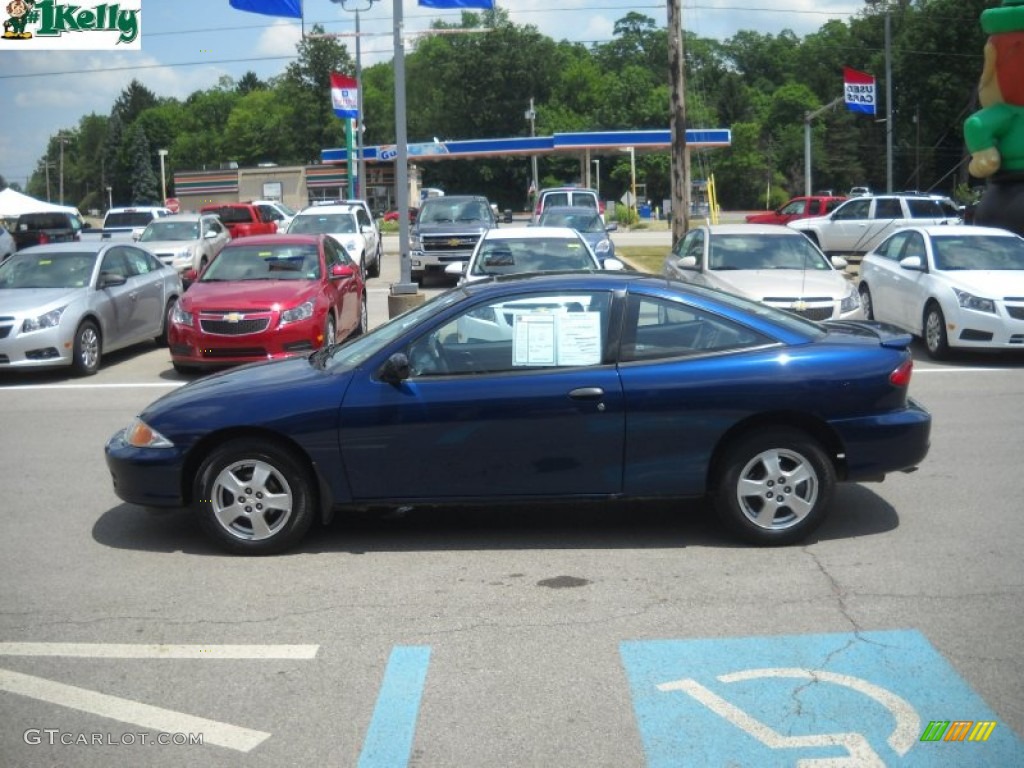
{"type": "Point", "coordinates": [597, 635]}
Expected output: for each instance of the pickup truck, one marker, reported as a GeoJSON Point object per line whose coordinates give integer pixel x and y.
{"type": "Point", "coordinates": [447, 230]}
{"type": "Point", "coordinates": [46, 227]}
{"type": "Point", "coordinates": [798, 208]}
{"type": "Point", "coordinates": [241, 219]}
{"type": "Point", "coordinates": [126, 223]}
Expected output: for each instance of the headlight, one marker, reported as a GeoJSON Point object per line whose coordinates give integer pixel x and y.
{"type": "Point", "coordinates": [603, 247]}
{"type": "Point", "coordinates": [353, 247]}
{"type": "Point", "coordinates": [184, 253]}
{"type": "Point", "coordinates": [50, 320]}
{"type": "Point", "coordinates": [181, 317]}
{"type": "Point", "coordinates": [970, 301]}
{"type": "Point", "coordinates": [141, 435]}
{"type": "Point", "coordinates": [301, 312]}
{"type": "Point", "coordinates": [414, 243]}
{"type": "Point", "coordinates": [850, 301]}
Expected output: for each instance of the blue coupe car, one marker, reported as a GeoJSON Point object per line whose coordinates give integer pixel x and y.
{"type": "Point", "coordinates": [561, 386]}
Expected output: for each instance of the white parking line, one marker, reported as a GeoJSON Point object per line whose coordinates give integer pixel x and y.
{"type": "Point", "coordinates": [134, 712]}
{"type": "Point", "coordinates": [129, 651]}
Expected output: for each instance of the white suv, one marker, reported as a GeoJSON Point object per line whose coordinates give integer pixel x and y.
{"type": "Point", "coordinates": [574, 197]}
{"type": "Point", "coordinates": [350, 225]}
{"type": "Point", "coordinates": [859, 224]}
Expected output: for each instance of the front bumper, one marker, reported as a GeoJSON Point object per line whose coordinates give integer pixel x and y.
{"type": "Point", "coordinates": [149, 477]}
{"type": "Point", "coordinates": [190, 346]}
{"type": "Point", "coordinates": [983, 330]}
{"type": "Point", "coordinates": [47, 348]}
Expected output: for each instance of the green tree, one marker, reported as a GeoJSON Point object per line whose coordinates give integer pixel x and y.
{"type": "Point", "coordinates": [143, 181]}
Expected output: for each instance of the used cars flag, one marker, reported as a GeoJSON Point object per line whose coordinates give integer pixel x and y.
{"type": "Point", "coordinates": [290, 8]}
{"type": "Point", "coordinates": [344, 95]}
{"type": "Point", "coordinates": [859, 88]}
{"type": "Point", "coordinates": [486, 4]}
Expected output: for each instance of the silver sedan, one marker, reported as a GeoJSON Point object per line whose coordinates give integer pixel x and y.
{"type": "Point", "coordinates": [68, 304]}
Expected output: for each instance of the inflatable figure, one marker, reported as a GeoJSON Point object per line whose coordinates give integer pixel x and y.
{"type": "Point", "coordinates": [995, 133]}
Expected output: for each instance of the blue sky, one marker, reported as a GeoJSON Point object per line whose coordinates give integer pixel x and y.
{"type": "Point", "coordinates": [188, 45]}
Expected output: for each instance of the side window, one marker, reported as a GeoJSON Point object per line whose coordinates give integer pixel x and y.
{"type": "Point", "coordinates": [797, 207]}
{"type": "Point", "coordinates": [853, 210]}
{"type": "Point", "coordinates": [893, 247]}
{"type": "Point", "coordinates": [915, 247]}
{"type": "Point", "coordinates": [139, 262]}
{"type": "Point", "coordinates": [888, 208]}
{"type": "Point", "coordinates": [332, 254]}
{"type": "Point", "coordinates": [114, 262]}
{"type": "Point", "coordinates": [695, 247]}
{"type": "Point", "coordinates": [657, 329]}
{"type": "Point", "coordinates": [564, 330]}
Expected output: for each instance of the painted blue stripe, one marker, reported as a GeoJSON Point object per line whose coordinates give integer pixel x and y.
{"type": "Point", "coordinates": [389, 738]}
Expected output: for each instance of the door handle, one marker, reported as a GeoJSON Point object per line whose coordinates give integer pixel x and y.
{"type": "Point", "coordinates": [587, 393]}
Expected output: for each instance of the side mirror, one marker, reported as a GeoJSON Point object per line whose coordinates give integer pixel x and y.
{"type": "Point", "coordinates": [190, 275]}
{"type": "Point", "coordinates": [611, 227]}
{"type": "Point", "coordinates": [87, 225]}
{"type": "Point", "coordinates": [210, 235]}
{"type": "Point", "coordinates": [109, 279]}
{"type": "Point", "coordinates": [395, 369]}
{"type": "Point", "coordinates": [341, 271]}
{"type": "Point", "coordinates": [912, 263]}
{"type": "Point", "coordinates": [455, 268]}
{"type": "Point", "coordinates": [612, 264]}
{"type": "Point", "coordinates": [839, 262]}
{"type": "Point", "coordinates": [687, 262]}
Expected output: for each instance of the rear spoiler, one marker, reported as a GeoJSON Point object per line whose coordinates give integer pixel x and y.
{"type": "Point", "coordinates": [887, 335]}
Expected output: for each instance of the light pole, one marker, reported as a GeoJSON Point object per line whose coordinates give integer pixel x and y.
{"type": "Point", "coordinates": [48, 165]}
{"type": "Point", "coordinates": [110, 198]}
{"type": "Point", "coordinates": [63, 140]}
{"type": "Point", "coordinates": [531, 115]}
{"type": "Point", "coordinates": [163, 177]}
{"type": "Point", "coordinates": [597, 182]}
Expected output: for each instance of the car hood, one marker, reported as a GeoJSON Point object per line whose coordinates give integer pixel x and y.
{"type": "Point", "coordinates": [14, 300]}
{"type": "Point", "coordinates": [988, 283]}
{"type": "Point", "coordinates": [431, 228]}
{"type": "Point", "coordinates": [759, 283]}
{"type": "Point", "coordinates": [808, 223]}
{"type": "Point", "coordinates": [247, 294]}
{"type": "Point", "coordinates": [259, 394]}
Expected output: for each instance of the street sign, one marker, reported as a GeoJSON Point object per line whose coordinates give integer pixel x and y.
{"type": "Point", "coordinates": [173, 204]}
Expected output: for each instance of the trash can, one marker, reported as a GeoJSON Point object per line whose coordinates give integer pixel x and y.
{"type": "Point", "coordinates": [644, 211]}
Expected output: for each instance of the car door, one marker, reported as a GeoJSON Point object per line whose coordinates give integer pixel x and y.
{"type": "Point", "coordinates": [215, 237]}
{"type": "Point", "coordinates": [344, 292]}
{"type": "Point", "coordinates": [147, 281]}
{"type": "Point", "coordinates": [509, 398]}
{"type": "Point", "coordinates": [887, 215]}
{"type": "Point", "coordinates": [369, 233]}
{"type": "Point", "coordinates": [848, 227]}
{"type": "Point", "coordinates": [117, 304]}
{"type": "Point", "coordinates": [910, 286]}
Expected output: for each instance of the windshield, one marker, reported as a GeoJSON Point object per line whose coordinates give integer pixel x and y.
{"type": "Point", "coordinates": [447, 211]}
{"type": "Point", "coordinates": [171, 230]}
{"type": "Point", "coordinates": [51, 270]}
{"type": "Point", "coordinates": [506, 256]}
{"type": "Point", "coordinates": [352, 353]}
{"type": "Point", "coordinates": [323, 224]}
{"type": "Point", "coordinates": [960, 252]}
{"type": "Point", "coordinates": [587, 221]}
{"type": "Point", "coordinates": [264, 262]}
{"type": "Point", "coordinates": [765, 252]}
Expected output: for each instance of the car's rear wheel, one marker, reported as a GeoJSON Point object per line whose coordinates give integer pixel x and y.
{"type": "Point", "coordinates": [364, 318]}
{"type": "Point", "coordinates": [87, 349]}
{"type": "Point", "coordinates": [865, 302]}
{"type": "Point", "coordinates": [775, 486]}
{"type": "Point", "coordinates": [161, 340]}
{"type": "Point", "coordinates": [375, 271]}
{"type": "Point", "coordinates": [254, 497]}
{"type": "Point", "coordinates": [935, 339]}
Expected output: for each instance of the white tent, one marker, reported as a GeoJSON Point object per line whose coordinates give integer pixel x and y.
{"type": "Point", "coordinates": [13, 204]}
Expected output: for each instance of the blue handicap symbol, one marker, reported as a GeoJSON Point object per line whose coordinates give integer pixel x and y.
{"type": "Point", "coordinates": [859, 700]}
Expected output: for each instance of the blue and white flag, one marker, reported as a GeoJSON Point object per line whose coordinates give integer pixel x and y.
{"type": "Point", "coordinates": [291, 9]}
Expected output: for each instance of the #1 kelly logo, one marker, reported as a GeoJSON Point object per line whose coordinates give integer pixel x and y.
{"type": "Point", "coordinates": [47, 25]}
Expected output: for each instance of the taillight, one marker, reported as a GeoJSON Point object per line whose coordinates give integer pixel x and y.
{"type": "Point", "coordinates": [901, 376]}
{"type": "Point", "coordinates": [43, 238]}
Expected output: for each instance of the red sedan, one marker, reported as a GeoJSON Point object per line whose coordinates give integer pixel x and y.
{"type": "Point", "coordinates": [393, 215]}
{"type": "Point", "coordinates": [267, 297]}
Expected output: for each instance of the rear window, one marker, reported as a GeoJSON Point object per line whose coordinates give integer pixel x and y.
{"type": "Point", "coordinates": [935, 208]}
{"type": "Point", "coordinates": [128, 219]}
{"type": "Point", "coordinates": [232, 214]}
{"type": "Point", "coordinates": [45, 221]}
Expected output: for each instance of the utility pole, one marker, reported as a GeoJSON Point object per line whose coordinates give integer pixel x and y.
{"type": "Point", "coordinates": [680, 154]}
{"type": "Point", "coordinates": [531, 115]}
{"type": "Point", "coordinates": [888, 101]}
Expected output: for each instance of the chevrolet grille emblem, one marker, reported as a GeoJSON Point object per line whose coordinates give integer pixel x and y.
{"type": "Point", "coordinates": [800, 306]}
{"type": "Point", "coordinates": [234, 317]}
{"type": "Point", "coordinates": [454, 241]}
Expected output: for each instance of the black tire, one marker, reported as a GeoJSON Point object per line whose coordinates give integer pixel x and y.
{"type": "Point", "coordinates": [87, 353]}
{"type": "Point", "coordinates": [233, 486]}
{"type": "Point", "coordinates": [331, 331]}
{"type": "Point", "coordinates": [186, 369]}
{"type": "Point", "coordinates": [375, 271]}
{"type": "Point", "coordinates": [934, 334]}
{"type": "Point", "coordinates": [767, 510]}
{"type": "Point", "coordinates": [865, 302]}
{"type": "Point", "coordinates": [161, 340]}
{"type": "Point", "coordinates": [364, 319]}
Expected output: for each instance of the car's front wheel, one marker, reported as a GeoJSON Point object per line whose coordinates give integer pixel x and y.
{"type": "Point", "coordinates": [775, 486]}
{"type": "Point", "coordinates": [935, 339]}
{"type": "Point", "coordinates": [87, 349]}
{"type": "Point", "coordinates": [161, 340]}
{"type": "Point", "coordinates": [255, 497]}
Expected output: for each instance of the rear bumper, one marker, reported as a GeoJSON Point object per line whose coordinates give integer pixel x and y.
{"type": "Point", "coordinates": [891, 442]}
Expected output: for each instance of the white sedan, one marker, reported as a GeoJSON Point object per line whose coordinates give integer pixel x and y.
{"type": "Point", "coordinates": [960, 286]}
{"type": "Point", "coordinates": [518, 250]}
{"type": "Point", "coordinates": [769, 263]}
